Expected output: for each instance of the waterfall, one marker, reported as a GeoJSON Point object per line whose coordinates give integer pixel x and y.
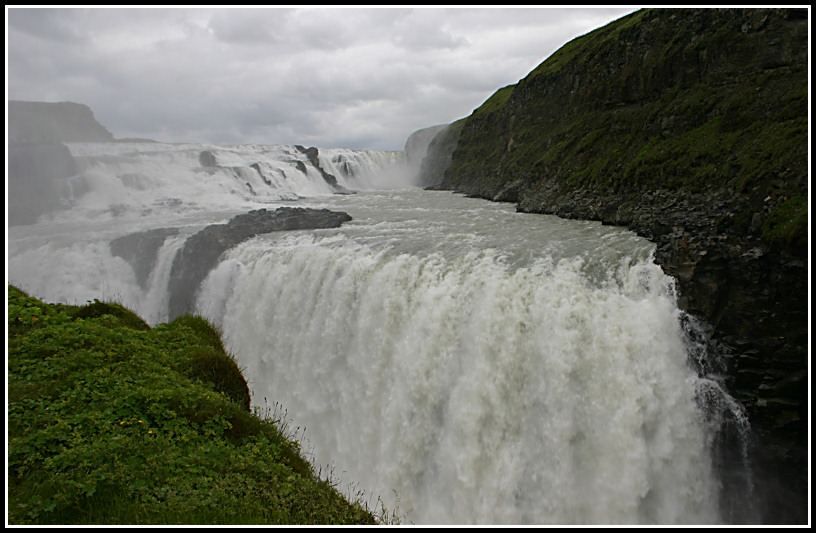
{"type": "Point", "coordinates": [365, 169]}
{"type": "Point", "coordinates": [477, 393]}
{"type": "Point", "coordinates": [141, 179]}
{"type": "Point", "coordinates": [463, 362]}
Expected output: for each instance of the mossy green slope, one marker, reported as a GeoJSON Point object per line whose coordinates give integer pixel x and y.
{"type": "Point", "coordinates": [113, 422]}
{"type": "Point", "coordinates": [694, 100]}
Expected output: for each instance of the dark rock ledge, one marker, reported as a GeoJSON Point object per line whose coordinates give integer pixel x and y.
{"type": "Point", "coordinates": [201, 251]}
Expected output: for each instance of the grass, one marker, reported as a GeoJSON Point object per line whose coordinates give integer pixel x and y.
{"type": "Point", "coordinates": [113, 422]}
{"type": "Point", "coordinates": [788, 223]}
{"type": "Point", "coordinates": [576, 49]}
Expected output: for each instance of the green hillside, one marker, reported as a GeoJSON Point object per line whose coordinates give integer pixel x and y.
{"type": "Point", "coordinates": [111, 421]}
{"type": "Point", "coordinates": [705, 101]}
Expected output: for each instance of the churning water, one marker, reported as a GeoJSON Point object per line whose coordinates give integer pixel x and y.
{"type": "Point", "coordinates": [465, 363]}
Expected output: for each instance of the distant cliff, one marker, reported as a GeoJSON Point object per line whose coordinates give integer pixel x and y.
{"type": "Point", "coordinates": [40, 166]}
{"type": "Point", "coordinates": [689, 126]}
{"type": "Point", "coordinates": [438, 154]}
{"type": "Point", "coordinates": [54, 121]}
{"type": "Point", "coordinates": [416, 147]}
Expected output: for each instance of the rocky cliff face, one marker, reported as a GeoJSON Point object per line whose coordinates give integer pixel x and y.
{"type": "Point", "coordinates": [54, 121]}
{"type": "Point", "coordinates": [689, 126]}
{"type": "Point", "coordinates": [416, 146]}
{"type": "Point", "coordinates": [438, 155]}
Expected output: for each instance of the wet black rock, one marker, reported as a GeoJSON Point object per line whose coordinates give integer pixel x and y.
{"type": "Point", "coordinates": [141, 250]}
{"type": "Point", "coordinates": [202, 250]}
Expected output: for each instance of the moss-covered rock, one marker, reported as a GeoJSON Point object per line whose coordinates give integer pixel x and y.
{"type": "Point", "coordinates": [218, 369]}
{"type": "Point", "coordinates": [121, 314]}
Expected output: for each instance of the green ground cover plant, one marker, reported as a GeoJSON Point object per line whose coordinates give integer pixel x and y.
{"type": "Point", "coordinates": [111, 421]}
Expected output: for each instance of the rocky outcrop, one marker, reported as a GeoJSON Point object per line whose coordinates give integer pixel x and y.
{"type": "Point", "coordinates": [202, 250]}
{"type": "Point", "coordinates": [141, 250]}
{"type": "Point", "coordinates": [689, 126]}
{"type": "Point", "coordinates": [54, 121]}
{"type": "Point", "coordinates": [207, 159]}
{"type": "Point", "coordinates": [312, 155]}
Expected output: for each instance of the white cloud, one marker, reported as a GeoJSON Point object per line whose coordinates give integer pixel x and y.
{"type": "Point", "coordinates": [356, 77]}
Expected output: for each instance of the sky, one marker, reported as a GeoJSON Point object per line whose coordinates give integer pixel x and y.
{"type": "Point", "coordinates": [356, 78]}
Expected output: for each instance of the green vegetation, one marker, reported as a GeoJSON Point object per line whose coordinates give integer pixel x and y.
{"type": "Point", "coordinates": [495, 102]}
{"type": "Point", "coordinates": [681, 101]}
{"type": "Point", "coordinates": [113, 422]}
{"type": "Point", "coordinates": [578, 47]}
{"type": "Point", "coordinates": [787, 224]}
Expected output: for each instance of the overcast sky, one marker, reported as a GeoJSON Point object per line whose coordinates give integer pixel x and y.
{"type": "Point", "coordinates": [359, 78]}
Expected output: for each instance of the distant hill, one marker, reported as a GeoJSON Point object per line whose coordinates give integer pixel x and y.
{"type": "Point", "coordinates": [54, 121]}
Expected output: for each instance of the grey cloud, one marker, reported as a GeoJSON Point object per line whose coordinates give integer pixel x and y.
{"type": "Point", "coordinates": [47, 24]}
{"type": "Point", "coordinates": [249, 26]}
{"type": "Point", "coordinates": [355, 78]}
{"type": "Point", "coordinates": [426, 30]}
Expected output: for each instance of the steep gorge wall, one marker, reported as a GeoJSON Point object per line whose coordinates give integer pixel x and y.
{"type": "Point", "coordinates": [689, 126]}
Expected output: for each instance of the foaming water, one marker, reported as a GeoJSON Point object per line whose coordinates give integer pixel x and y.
{"type": "Point", "coordinates": [466, 363]}
{"type": "Point", "coordinates": [480, 380]}
{"type": "Point", "coordinates": [128, 187]}
{"type": "Point", "coordinates": [143, 179]}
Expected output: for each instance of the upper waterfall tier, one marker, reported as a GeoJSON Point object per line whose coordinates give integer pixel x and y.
{"type": "Point", "coordinates": [138, 179]}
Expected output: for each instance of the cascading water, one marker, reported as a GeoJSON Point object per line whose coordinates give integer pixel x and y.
{"type": "Point", "coordinates": [466, 363]}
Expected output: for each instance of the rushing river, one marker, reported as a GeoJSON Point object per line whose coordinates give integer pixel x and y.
{"type": "Point", "coordinates": [463, 362]}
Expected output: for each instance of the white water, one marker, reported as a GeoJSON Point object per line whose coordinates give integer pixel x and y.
{"type": "Point", "coordinates": [466, 363]}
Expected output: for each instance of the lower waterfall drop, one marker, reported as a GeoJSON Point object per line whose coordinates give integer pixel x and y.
{"type": "Point", "coordinates": [474, 385]}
